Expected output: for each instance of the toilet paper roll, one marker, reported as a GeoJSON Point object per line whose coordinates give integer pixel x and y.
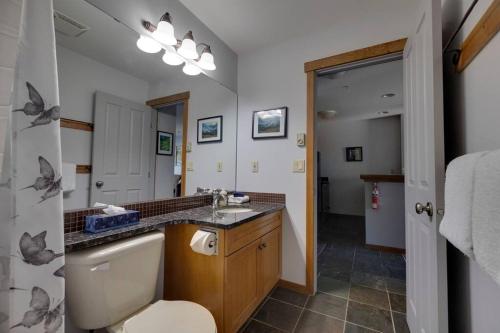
{"type": "Point", "coordinates": [204, 242]}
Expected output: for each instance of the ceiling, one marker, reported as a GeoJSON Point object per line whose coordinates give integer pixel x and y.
{"type": "Point", "coordinates": [246, 25]}
{"type": "Point", "coordinates": [358, 93]}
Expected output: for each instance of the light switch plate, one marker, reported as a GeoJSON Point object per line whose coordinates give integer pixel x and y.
{"type": "Point", "coordinates": [189, 166]}
{"type": "Point", "coordinates": [189, 147]}
{"type": "Point", "coordinates": [255, 166]}
{"type": "Point", "coordinates": [299, 166]}
{"type": "Point", "coordinates": [219, 166]}
{"type": "Point", "coordinates": [301, 139]}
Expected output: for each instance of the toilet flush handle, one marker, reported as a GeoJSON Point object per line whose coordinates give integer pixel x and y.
{"type": "Point", "coordinates": [101, 267]}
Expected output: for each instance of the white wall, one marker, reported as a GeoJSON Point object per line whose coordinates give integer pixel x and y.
{"type": "Point", "coordinates": [79, 78]}
{"type": "Point", "coordinates": [381, 142]}
{"type": "Point", "coordinates": [208, 98]}
{"type": "Point", "coordinates": [274, 76]}
{"type": "Point", "coordinates": [472, 117]}
{"type": "Point", "coordinates": [165, 180]}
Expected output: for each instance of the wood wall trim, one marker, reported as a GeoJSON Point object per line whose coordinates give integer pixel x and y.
{"type": "Point", "coordinates": [356, 55]}
{"type": "Point", "coordinates": [157, 102]}
{"type": "Point", "coordinates": [76, 124]}
{"type": "Point", "coordinates": [485, 29]}
{"type": "Point", "coordinates": [83, 169]}
{"type": "Point", "coordinates": [387, 249]}
{"type": "Point", "coordinates": [293, 286]}
{"type": "Point", "coordinates": [383, 178]}
{"type": "Point", "coordinates": [310, 162]}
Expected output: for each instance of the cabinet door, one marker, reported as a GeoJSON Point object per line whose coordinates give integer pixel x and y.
{"type": "Point", "coordinates": [269, 261]}
{"type": "Point", "coordinates": [242, 293]}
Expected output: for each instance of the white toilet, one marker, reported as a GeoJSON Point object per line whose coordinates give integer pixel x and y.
{"type": "Point", "coordinates": [113, 285]}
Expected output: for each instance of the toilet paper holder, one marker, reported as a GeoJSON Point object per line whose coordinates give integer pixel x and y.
{"type": "Point", "coordinates": [215, 242]}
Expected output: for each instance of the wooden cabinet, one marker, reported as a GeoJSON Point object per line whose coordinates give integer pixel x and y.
{"type": "Point", "coordinates": [232, 283]}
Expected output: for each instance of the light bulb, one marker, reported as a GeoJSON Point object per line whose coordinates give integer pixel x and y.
{"type": "Point", "coordinates": [148, 45]}
{"type": "Point", "coordinates": [188, 47]}
{"type": "Point", "coordinates": [191, 69]}
{"type": "Point", "coordinates": [164, 32]}
{"type": "Point", "coordinates": [171, 58]}
{"type": "Point", "coordinates": [207, 60]}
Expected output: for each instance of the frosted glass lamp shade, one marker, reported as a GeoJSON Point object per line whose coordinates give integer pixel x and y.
{"type": "Point", "coordinates": [172, 58]}
{"type": "Point", "coordinates": [207, 60]}
{"type": "Point", "coordinates": [148, 45]}
{"type": "Point", "coordinates": [190, 69]}
{"type": "Point", "coordinates": [164, 33]}
{"type": "Point", "coordinates": [188, 47]}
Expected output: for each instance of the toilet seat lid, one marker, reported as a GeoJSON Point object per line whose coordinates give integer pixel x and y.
{"type": "Point", "coordinates": [172, 316]}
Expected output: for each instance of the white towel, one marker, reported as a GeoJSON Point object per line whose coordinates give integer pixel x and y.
{"type": "Point", "coordinates": [486, 214]}
{"type": "Point", "coordinates": [238, 200]}
{"type": "Point", "coordinates": [456, 225]}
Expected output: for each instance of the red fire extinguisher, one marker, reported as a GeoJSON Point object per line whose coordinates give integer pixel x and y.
{"type": "Point", "coordinates": [375, 196]}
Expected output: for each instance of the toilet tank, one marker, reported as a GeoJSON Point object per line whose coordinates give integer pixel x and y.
{"type": "Point", "coordinates": [106, 283]}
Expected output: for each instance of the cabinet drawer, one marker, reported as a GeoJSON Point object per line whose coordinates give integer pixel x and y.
{"type": "Point", "coordinates": [240, 236]}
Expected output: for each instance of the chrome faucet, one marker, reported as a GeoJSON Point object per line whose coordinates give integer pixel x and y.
{"type": "Point", "coordinates": [217, 195]}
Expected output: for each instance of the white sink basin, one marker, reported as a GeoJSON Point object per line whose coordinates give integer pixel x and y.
{"type": "Point", "coordinates": [235, 210]}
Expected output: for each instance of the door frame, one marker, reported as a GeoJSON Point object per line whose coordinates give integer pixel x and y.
{"type": "Point", "coordinates": [311, 68]}
{"type": "Point", "coordinates": [183, 98]}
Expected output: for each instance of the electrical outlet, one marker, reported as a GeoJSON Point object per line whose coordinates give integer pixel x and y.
{"type": "Point", "coordinates": [255, 166]}
{"type": "Point", "coordinates": [301, 139]}
{"type": "Point", "coordinates": [189, 147]}
{"type": "Point", "coordinates": [189, 166]}
{"type": "Point", "coordinates": [299, 166]}
{"type": "Point", "coordinates": [219, 166]}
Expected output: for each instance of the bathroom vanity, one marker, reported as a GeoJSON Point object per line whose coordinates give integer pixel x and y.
{"type": "Point", "coordinates": [232, 283]}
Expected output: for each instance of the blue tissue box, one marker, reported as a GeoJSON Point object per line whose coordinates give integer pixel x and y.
{"type": "Point", "coordinates": [102, 222]}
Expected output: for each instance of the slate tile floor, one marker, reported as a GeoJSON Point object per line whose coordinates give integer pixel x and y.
{"type": "Point", "coordinates": [359, 290]}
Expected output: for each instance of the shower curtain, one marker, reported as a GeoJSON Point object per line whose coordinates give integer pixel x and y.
{"type": "Point", "coordinates": [36, 261]}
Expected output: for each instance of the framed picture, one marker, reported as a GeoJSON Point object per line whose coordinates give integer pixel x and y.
{"type": "Point", "coordinates": [164, 143]}
{"type": "Point", "coordinates": [354, 154]}
{"type": "Point", "coordinates": [210, 130]}
{"type": "Point", "coordinates": [269, 124]}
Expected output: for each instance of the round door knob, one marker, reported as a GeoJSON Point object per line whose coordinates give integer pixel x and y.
{"type": "Point", "coordinates": [99, 184]}
{"type": "Point", "coordinates": [419, 209]}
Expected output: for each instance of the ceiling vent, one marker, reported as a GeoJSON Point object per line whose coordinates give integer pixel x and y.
{"type": "Point", "coordinates": [67, 26]}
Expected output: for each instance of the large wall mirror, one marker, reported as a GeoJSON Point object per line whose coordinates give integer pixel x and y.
{"type": "Point", "coordinates": [133, 127]}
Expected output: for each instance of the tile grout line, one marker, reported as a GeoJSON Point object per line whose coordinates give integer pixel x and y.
{"type": "Point", "coordinates": [349, 291]}
{"type": "Point", "coordinates": [365, 327]}
{"type": "Point", "coordinates": [390, 310]}
{"type": "Point", "coordinates": [300, 315]}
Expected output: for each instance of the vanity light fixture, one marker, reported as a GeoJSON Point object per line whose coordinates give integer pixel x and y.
{"type": "Point", "coordinates": [176, 52]}
{"type": "Point", "coordinates": [164, 32]}
{"type": "Point", "coordinates": [188, 46]}
{"type": "Point", "coordinates": [148, 44]}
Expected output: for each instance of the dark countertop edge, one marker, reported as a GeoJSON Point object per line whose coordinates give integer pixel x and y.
{"type": "Point", "coordinates": [84, 244]}
{"type": "Point", "coordinates": [383, 178]}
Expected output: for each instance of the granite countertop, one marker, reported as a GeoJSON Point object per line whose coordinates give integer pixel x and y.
{"type": "Point", "coordinates": [199, 216]}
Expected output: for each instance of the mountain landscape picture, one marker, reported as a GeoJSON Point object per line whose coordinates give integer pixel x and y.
{"type": "Point", "coordinates": [269, 123]}
{"type": "Point", "coordinates": [209, 129]}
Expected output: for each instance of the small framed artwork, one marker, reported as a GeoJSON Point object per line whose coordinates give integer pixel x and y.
{"type": "Point", "coordinates": [354, 154]}
{"type": "Point", "coordinates": [210, 130]}
{"type": "Point", "coordinates": [164, 143]}
{"type": "Point", "coordinates": [270, 124]}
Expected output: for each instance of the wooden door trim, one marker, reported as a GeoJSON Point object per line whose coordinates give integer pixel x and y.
{"type": "Point", "coordinates": [183, 98]}
{"type": "Point", "coordinates": [310, 69]}
{"type": "Point", "coordinates": [162, 101]}
{"type": "Point", "coordinates": [76, 124]}
{"type": "Point", "coordinates": [378, 50]}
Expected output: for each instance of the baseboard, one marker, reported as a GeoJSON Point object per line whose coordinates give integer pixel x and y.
{"type": "Point", "coordinates": [293, 286]}
{"type": "Point", "coordinates": [385, 249]}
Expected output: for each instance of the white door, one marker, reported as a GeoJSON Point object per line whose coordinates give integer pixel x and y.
{"type": "Point", "coordinates": [424, 176]}
{"type": "Point", "coordinates": [121, 151]}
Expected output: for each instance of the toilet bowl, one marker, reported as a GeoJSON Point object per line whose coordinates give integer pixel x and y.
{"type": "Point", "coordinates": [177, 316]}
{"type": "Point", "coordinates": [112, 286]}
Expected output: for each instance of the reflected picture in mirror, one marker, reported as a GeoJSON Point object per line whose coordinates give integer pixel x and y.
{"type": "Point", "coordinates": [127, 116]}
{"type": "Point", "coordinates": [210, 129]}
{"type": "Point", "coordinates": [165, 143]}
